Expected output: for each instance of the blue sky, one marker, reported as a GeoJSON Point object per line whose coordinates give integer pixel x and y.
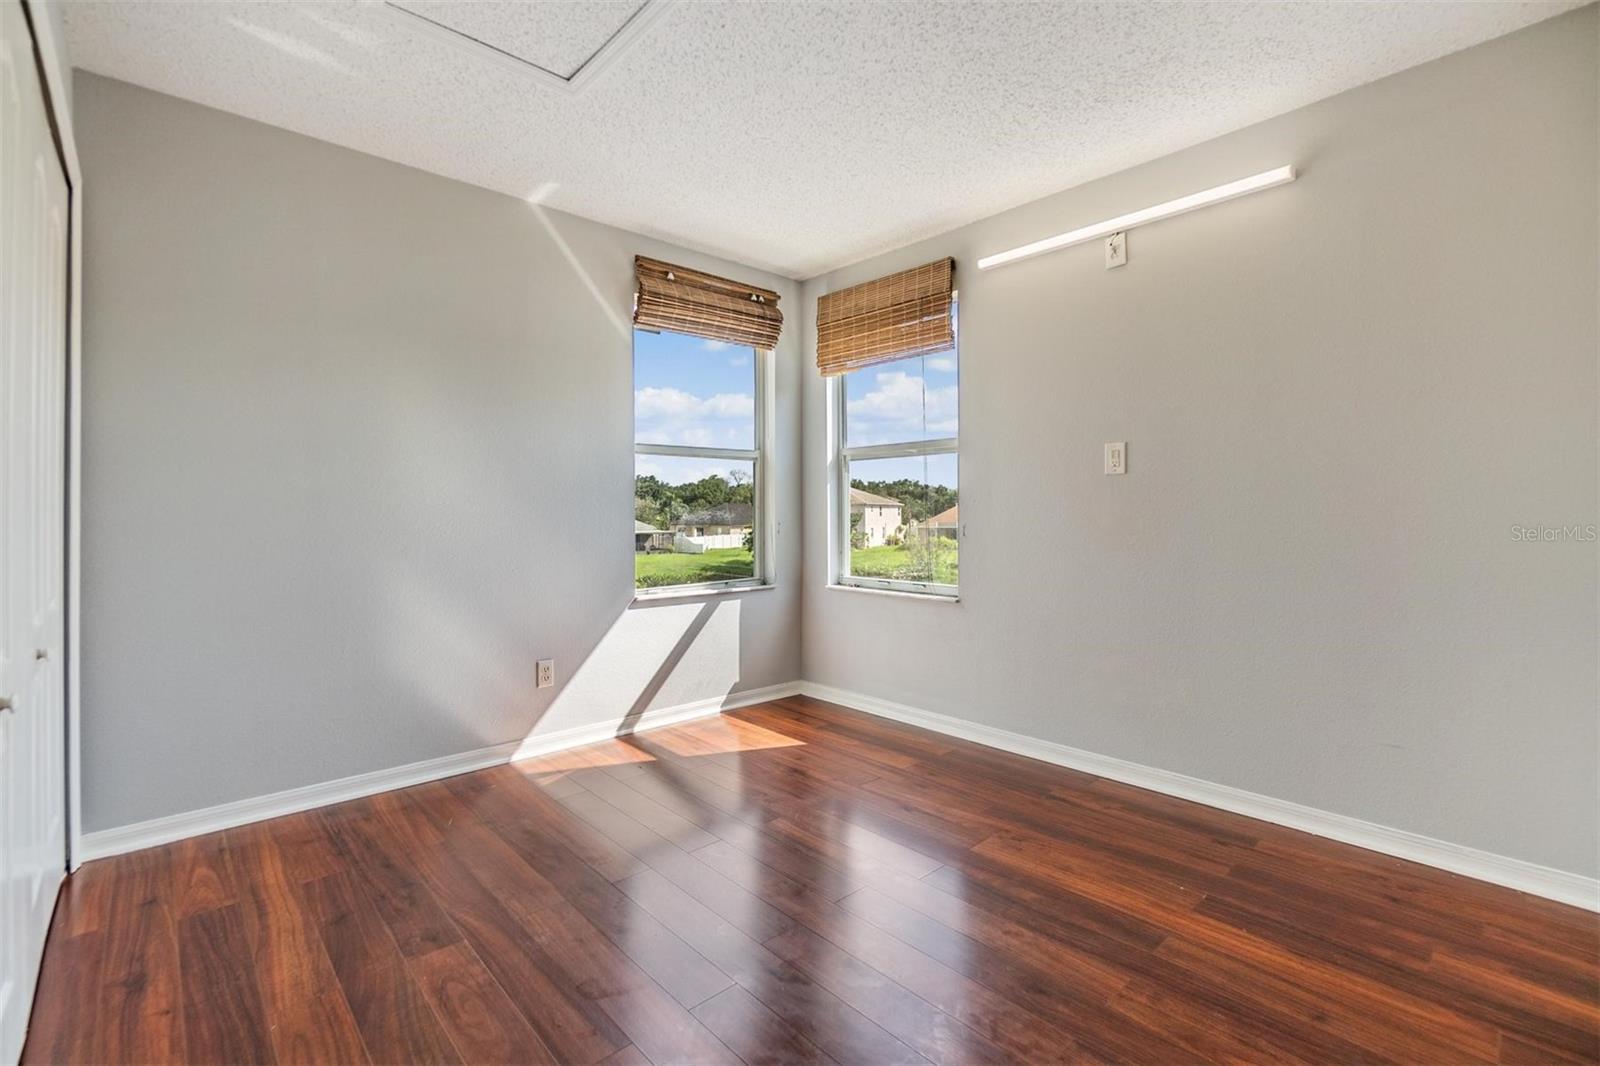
{"type": "Point", "coordinates": [910, 399]}
{"type": "Point", "coordinates": [929, 469]}
{"type": "Point", "coordinates": [689, 390]}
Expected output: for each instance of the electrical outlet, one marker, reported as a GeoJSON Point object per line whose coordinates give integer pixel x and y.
{"type": "Point", "coordinates": [1116, 250]}
{"type": "Point", "coordinates": [547, 672]}
{"type": "Point", "coordinates": [1117, 457]}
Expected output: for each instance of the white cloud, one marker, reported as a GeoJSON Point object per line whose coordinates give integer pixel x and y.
{"type": "Point", "coordinates": [730, 405]}
{"type": "Point", "coordinates": [653, 402]}
{"type": "Point", "coordinates": [901, 407]}
{"type": "Point", "coordinates": [715, 346]}
{"type": "Point", "coordinates": [672, 416]}
{"type": "Point", "coordinates": [740, 360]}
{"type": "Point", "coordinates": [942, 363]}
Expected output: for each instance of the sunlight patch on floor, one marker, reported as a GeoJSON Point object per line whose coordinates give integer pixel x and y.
{"type": "Point", "coordinates": [588, 757]}
{"type": "Point", "coordinates": [721, 735]}
{"type": "Point", "coordinates": [708, 736]}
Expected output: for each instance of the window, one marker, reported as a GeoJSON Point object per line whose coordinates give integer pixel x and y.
{"type": "Point", "coordinates": [899, 527]}
{"type": "Point", "coordinates": [699, 423]}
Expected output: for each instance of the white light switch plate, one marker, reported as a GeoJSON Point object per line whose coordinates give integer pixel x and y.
{"type": "Point", "coordinates": [1116, 250]}
{"type": "Point", "coordinates": [1117, 457]}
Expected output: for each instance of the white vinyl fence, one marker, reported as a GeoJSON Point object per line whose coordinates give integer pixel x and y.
{"type": "Point", "coordinates": [695, 545]}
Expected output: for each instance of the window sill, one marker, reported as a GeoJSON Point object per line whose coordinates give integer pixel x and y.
{"type": "Point", "coordinates": [671, 595]}
{"type": "Point", "coordinates": [895, 593]}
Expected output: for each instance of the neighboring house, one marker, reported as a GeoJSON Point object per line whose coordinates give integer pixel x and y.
{"type": "Point", "coordinates": [945, 523]}
{"type": "Point", "coordinates": [880, 517]}
{"type": "Point", "coordinates": [716, 527]}
{"type": "Point", "coordinates": [648, 538]}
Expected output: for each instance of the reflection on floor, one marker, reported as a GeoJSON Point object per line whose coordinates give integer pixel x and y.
{"type": "Point", "coordinates": [794, 881]}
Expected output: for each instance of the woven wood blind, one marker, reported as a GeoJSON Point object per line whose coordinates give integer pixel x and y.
{"type": "Point", "coordinates": [903, 314]}
{"type": "Point", "coordinates": [688, 301]}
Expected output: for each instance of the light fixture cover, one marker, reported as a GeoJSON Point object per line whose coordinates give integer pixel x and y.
{"type": "Point", "coordinates": [1254, 183]}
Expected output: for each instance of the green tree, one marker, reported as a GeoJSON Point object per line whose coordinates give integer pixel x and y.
{"type": "Point", "coordinates": [647, 511]}
{"type": "Point", "coordinates": [710, 491]}
{"type": "Point", "coordinates": [656, 502]}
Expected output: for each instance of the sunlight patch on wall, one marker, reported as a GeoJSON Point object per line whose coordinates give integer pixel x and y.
{"type": "Point", "coordinates": [663, 656]}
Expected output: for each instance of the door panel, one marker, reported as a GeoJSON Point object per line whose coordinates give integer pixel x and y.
{"type": "Point", "coordinates": [34, 206]}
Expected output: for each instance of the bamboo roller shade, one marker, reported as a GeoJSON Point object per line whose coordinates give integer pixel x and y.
{"type": "Point", "coordinates": [877, 321]}
{"type": "Point", "coordinates": [689, 301]}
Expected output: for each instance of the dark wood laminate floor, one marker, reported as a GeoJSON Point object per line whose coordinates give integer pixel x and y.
{"type": "Point", "coordinates": [797, 882]}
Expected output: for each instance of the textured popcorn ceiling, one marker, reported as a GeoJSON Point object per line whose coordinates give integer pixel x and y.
{"type": "Point", "coordinates": [797, 136]}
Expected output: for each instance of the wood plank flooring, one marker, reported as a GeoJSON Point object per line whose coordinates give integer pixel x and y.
{"type": "Point", "coordinates": [795, 882]}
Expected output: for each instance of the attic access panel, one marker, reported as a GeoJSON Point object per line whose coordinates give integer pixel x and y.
{"type": "Point", "coordinates": [562, 46]}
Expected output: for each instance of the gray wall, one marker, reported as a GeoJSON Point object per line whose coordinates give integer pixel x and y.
{"type": "Point", "coordinates": [357, 452]}
{"type": "Point", "coordinates": [1339, 397]}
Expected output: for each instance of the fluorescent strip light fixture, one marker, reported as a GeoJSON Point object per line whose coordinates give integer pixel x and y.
{"type": "Point", "coordinates": [1234, 189]}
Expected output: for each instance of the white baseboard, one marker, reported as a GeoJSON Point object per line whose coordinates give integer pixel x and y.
{"type": "Point", "coordinates": [1485, 866]}
{"type": "Point", "coordinates": [1524, 876]}
{"type": "Point", "coordinates": [106, 842]}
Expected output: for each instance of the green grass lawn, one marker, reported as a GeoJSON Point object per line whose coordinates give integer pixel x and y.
{"type": "Point", "coordinates": [672, 568]}
{"type": "Point", "coordinates": [899, 564]}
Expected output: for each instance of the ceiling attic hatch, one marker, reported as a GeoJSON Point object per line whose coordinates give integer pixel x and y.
{"type": "Point", "coordinates": [560, 46]}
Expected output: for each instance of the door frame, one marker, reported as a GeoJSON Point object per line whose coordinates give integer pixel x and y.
{"type": "Point", "coordinates": [48, 48]}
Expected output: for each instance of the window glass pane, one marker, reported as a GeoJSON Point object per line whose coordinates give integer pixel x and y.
{"type": "Point", "coordinates": [906, 400]}
{"type": "Point", "coordinates": [904, 522]}
{"type": "Point", "coordinates": [689, 390]}
{"type": "Point", "coordinates": [693, 520]}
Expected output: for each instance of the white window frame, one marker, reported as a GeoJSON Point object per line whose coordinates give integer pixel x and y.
{"type": "Point", "coordinates": [844, 454]}
{"type": "Point", "coordinates": [761, 513]}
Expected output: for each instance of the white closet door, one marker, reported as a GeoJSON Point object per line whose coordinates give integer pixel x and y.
{"type": "Point", "coordinates": [34, 208]}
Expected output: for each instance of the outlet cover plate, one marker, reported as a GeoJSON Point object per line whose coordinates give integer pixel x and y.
{"type": "Point", "coordinates": [1116, 457]}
